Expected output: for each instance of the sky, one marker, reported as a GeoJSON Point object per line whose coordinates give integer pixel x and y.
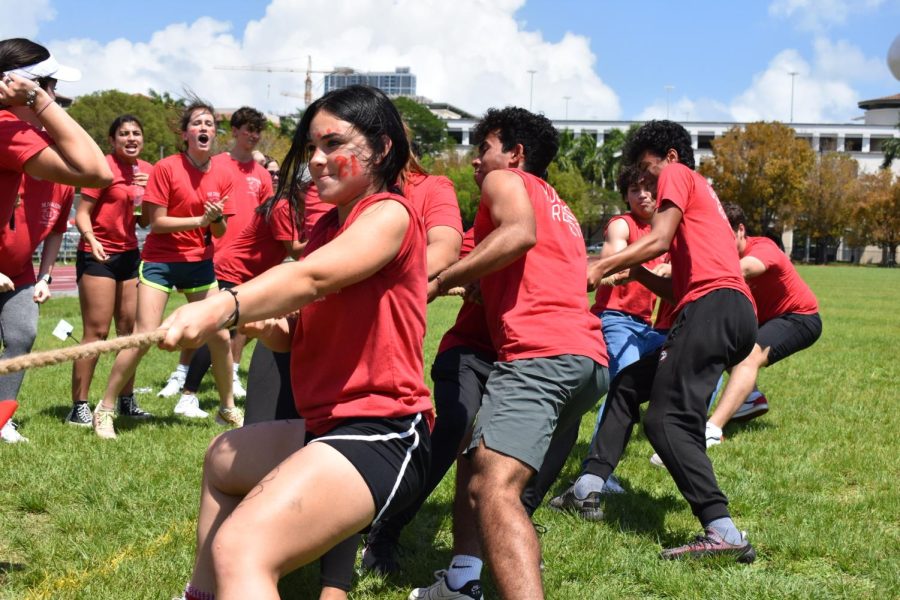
{"type": "Point", "coordinates": [690, 60]}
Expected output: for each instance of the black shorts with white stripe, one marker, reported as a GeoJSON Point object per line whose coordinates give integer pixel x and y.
{"type": "Point", "coordinates": [391, 454]}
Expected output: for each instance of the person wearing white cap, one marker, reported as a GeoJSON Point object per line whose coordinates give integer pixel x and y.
{"type": "Point", "coordinates": [63, 153]}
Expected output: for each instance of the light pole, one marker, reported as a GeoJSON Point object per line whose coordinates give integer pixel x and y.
{"type": "Point", "coordinates": [792, 74]}
{"type": "Point", "coordinates": [668, 89]}
{"type": "Point", "coordinates": [531, 92]}
{"type": "Point", "coordinates": [567, 98]}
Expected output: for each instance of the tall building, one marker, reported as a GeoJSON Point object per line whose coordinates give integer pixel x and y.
{"type": "Point", "coordinates": [399, 83]}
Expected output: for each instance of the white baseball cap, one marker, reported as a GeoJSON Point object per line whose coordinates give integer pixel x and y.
{"type": "Point", "coordinates": [48, 68]}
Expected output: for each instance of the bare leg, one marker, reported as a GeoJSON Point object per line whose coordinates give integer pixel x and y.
{"type": "Point", "coordinates": [740, 383]}
{"type": "Point", "coordinates": [151, 306]}
{"type": "Point", "coordinates": [220, 350]}
{"type": "Point", "coordinates": [96, 295]}
{"type": "Point", "coordinates": [125, 314]}
{"type": "Point", "coordinates": [507, 535]}
{"type": "Point", "coordinates": [465, 529]}
{"type": "Point", "coordinates": [315, 493]}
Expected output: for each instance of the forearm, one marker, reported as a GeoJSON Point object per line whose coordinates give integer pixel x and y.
{"type": "Point", "coordinates": [170, 224]}
{"type": "Point", "coordinates": [218, 229]}
{"type": "Point", "coordinates": [647, 248]}
{"type": "Point", "coordinates": [83, 221]}
{"type": "Point", "coordinates": [48, 255]}
{"type": "Point", "coordinates": [661, 286]}
{"type": "Point", "coordinates": [501, 247]}
{"type": "Point", "coordinates": [442, 251]}
{"type": "Point", "coordinates": [73, 143]}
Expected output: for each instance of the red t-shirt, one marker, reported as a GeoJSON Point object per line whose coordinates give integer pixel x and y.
{"type": "Point", "coordinates": [537, 305]}
{"type": "Point", "coordinates": [470, 329]}
{"type": "Point", "coordinates": [434, 197]}
{"type": "Point", "coordinates": [780, 289]}
{"type": "Point", "coordinates": [313, 209]}
{"type": "Point", "coordinates": [19, 142]}
{"type": "Point", "coordinates": [703, 253]}
{"type": "Point", "coordinates": [112, 218]}
{"type": "Point", "coordinates": [358, 352]}
{"type": "Point", "coordinates": [259, 246]}
{"type": "Point", "coordinates": [183, 189]}
{"type": "Point", "coordinates": [251, 186]}
{"type": "Point", "coordinates": [632, 298]}
{"type": "Point", "coordinates": [44, 210]}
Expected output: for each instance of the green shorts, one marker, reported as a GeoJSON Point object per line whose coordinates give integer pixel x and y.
{"type": "Point", "coordinates": [526, 400]}
{"type": "Point", "coordinates": [186, 277]}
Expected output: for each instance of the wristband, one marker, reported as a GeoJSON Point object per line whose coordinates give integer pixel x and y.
{"type": "Point", "coordinates": [234, 316]}
{"type": "Point", "coordinates": [218, 219]}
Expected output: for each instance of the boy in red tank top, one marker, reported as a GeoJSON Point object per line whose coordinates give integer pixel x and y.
{"type": "Point", "coordinates": [529, 261]}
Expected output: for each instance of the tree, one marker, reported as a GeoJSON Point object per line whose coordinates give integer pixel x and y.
{"type": "Point", "coordinates": [574, 191]}
{"type": "Point", "coordinates": [429, 132]}
{"type": "Point", "coordinates": [891, 149]}
{"type": "Point", "coordinates": [460, 171]}
{"type": "Point", "coordinates": [826, 204]}
{"type": "Point", "coordinates": [158, 114]}
{"type": "Point", "coordinates": [762, 168]}
{"type": "Point", "coordinates": [876, 214]}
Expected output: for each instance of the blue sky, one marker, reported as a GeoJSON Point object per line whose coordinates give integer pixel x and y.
{"type": "Point", "coordinates": [723, 60]}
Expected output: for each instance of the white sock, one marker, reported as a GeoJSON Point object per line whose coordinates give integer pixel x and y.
{"type": "Point", "coordinates": [234, 368]}
{"type": "Point", "coordinates": [712, 428]}
{"type": "Point", "coordinates": [463, 569]}
{"type": "Point", "coordinates": [182, 369]}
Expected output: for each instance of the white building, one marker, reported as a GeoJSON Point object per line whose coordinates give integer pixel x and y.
{"type": "Point", "coordinates": [862, 139]}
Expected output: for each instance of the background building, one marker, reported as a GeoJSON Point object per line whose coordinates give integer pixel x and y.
{"type": "Point", "coordinates": [399, 83]}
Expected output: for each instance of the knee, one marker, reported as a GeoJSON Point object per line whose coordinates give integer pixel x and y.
{"type": "Point", "coordinates": [233, 554]}
{"type": "Point", "coordinates": [654, 425]}
{"type": "Point", "coordinates": [217, 462]}
{"type": "Point", "coordinates": [96, 333]}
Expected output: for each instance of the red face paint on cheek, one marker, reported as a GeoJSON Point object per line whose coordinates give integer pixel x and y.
{"type": "Point", "coordinates": [343, 165]}
{"type": "Point", "coordinates": [355, 167]}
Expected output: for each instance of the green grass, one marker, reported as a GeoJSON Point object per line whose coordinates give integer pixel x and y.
{"type": "Point", "coordinates": [814, 482]}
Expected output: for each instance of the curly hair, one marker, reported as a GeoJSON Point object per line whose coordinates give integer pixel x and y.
{"type": "Point", "coordinates": [659, 137]}
{"type": "Point", "coordinates": [518, 126]}
{"type": "Point", "coordinates": [735, 215]}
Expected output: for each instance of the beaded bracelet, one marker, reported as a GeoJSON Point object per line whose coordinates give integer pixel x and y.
{"type": "Point", "coordinates": [236, 315]}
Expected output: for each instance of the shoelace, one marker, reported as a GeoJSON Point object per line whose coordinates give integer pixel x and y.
{"type": "Point", "coordinates": [83, 412]}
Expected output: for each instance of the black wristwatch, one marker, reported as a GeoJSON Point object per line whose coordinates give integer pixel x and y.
{"type": "Point", "coordinates": [46, 277]}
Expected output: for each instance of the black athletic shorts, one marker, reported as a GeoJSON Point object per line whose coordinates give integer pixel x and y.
{"type": "Point", "coordinates": [121, 267]}
{"type": "Point", "coordinates": [392, 455]}
{"type": "Point", "coordinates": [787, 334]}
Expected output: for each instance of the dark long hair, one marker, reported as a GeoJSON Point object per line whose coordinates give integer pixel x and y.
{"type": "Point", "coordinates": [16, 53]}
{"type": "Point", "coordinates": [121, 120]}
{"type": "Point", "coordinates": [373, 115]}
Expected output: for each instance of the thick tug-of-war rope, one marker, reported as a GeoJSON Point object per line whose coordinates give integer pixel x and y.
{"type": "Point", "coordinates": [53, 357]}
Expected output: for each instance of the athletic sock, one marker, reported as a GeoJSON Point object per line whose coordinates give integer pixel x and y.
{"type": "Point", "coordinates": [463, 569]}
{"type": "Point", "coordinates": [712, 428]}
{"type": "Point", "coordinates": [586, 484]}
{"type": "Point", "coordinates": [7, 408]}
{"type": "Point", "coordinates": [192, 593]}
{"type": "Point", "coordinates": [77, 402]}
{"type": "Point", "coordinates": [182, 368]}
{"type": "Point", "coordinates": [234, 368]}
{"type": "Point", "coordinates": [726, 528]}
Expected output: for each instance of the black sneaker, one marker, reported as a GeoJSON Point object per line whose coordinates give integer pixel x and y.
{"type": "Point", "coordinates": [128, 407]}
{"type": "Point", "coordinates": [711, 544]}
{"type": "Point", "coordinates": [588, 508]}
{"type": "Point", "coordinates": [380, 552]}
{"type": "Point", "coordinates": [80, 415]}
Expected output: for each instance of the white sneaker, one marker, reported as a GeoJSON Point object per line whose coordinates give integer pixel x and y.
{"type": "Point", "coordinates": [714, 437]}
{"type": "Point", "coordinates": [237, 389]}
{"type": "Point", "coordinates": [439, 590]}
{"type": "Point", "coordinates": [10, 433]}
{"type": "Point", "coordinates": [189, 406]}
{"type": "Point", "coordinates": [173, 385]}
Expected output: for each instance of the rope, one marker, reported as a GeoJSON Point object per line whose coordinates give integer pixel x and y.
{"type": "Point", "coordinates": [36, 360]}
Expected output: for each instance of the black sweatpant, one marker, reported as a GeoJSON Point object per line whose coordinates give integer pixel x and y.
{"type": "Point", "coordinates": [713, 333]}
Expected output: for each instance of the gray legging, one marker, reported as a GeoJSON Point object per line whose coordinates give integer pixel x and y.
{"type": "Point", "coordinates": [18, 328]}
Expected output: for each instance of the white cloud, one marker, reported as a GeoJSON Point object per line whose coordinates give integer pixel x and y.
{"type": "Point", "coordinates": [819, 15]}
{"type": "Point", "coordinates": [823, 89]}
{"type": "Point", "coordinates": [471, 53]}
{"type": "Point", "coordinates": [23, 19]}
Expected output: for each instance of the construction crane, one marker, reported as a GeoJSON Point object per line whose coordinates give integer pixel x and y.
{"type": "Point", "coordinates": [307, 95]}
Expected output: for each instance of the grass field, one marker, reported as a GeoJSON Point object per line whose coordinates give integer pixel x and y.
{"type": "Point", "coordinates": [815, 482]}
